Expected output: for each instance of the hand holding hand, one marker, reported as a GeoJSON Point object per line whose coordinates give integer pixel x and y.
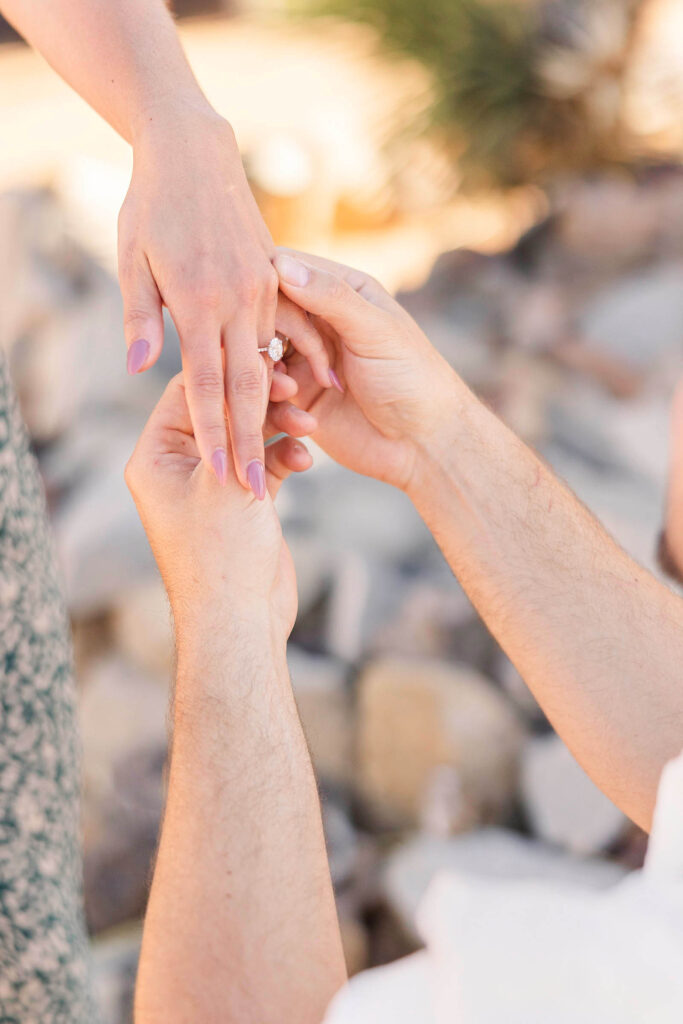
{"type": "Point", "coordinates": [220, 551]}
{"type": "Point", "coordinates": [191, 238]}
{"type": "Point", "coordinates": [395, 389]}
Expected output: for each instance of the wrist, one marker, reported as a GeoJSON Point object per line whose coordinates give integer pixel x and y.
{"type": "Point", "coordinates": [222, 656]}
{"type": "Point", "coordinates": [167, 115]}
{"type": "Point", "coordinates": [440, 430]}
{"type": "Point", "coordinates": [216, 624]}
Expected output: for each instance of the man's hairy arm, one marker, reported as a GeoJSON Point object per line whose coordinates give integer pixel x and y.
{"type": "Point", "coordinates": [241, 923]}
{"type": "Point", "coordinates": [597, 638]}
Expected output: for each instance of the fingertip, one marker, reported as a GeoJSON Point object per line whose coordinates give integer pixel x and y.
{"type": "Point", "coordinates": [302, 456]}
{"type": "Point", "coordinates": [291, 271]}
{"type": "Point", "coordinates": [282, 386]}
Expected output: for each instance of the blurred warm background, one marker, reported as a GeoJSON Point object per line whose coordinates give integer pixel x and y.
{"type": "Point", "coordinates": [513, 168]}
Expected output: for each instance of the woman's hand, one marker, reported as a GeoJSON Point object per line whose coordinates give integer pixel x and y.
{"type": "Point", "coordinates": [394, 389]}
{"type": "Point", "coordinates": [220, 551]}
{"type": "Point", "coordinates": [191, 238]}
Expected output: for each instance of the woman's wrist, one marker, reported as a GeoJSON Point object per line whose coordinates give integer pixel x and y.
{"type": "Point", "coordinates": [163, 118]}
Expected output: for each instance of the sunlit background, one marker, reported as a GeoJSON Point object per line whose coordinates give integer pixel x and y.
{"type": "Point", "coordinates": [514, 170]}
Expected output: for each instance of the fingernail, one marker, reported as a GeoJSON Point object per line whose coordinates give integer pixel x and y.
{"type": "Point", "coordinates": [256, 475]}
{"type": "Point", "coordinates": [336, 382]}
{"type": "Point", "coordinates": [219, 461]}
{"type": "Point", "coordinates": [291, 271]}
{"type": "Point", "coordinates": [138, 354]}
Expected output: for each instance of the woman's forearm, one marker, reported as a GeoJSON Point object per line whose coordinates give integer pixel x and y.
{"type": "Point", "coordinates": [123, 58]}
{"type": "Point", "coordinates": [241, 924]}
{"type": "Point", "coordinates": [597, 639]}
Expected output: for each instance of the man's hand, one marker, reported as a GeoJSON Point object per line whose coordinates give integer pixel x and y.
{"type": "Point", "coordinates": [220, 551]}
{"type": "Point", "coordinates": [393, 390]}
{"type": "Point", "coordinates": [597, 639]}
{"type": "Point", "coordinates": [191, 238]}
{"type": "Point", "coordinates": [241, 919]}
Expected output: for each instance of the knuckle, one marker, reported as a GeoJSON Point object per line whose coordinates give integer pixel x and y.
{"type": "Point", "coordinates": [247, 289]}
{"type": "Point", "coordinates": [130, 474]}
{"type": "Point", "coordinates": [207, 293]}
{"type": "Point", "coordinates": [214, 434]}
{"type": "Point", "coordinates": [134, 316]}
{"type": "Point", "coordinates": [208, 382]}
{"type": "Point", "coordinates": [200, 285]}
{"type": "Point", "coordinates": [271, 284]}
{"type": "Point", "coordinates": [246, 383]}
{"type": "Point", "coordinates": [127, 257]}
{"type": "Point", "coordinates": [337, 289]}
{"type": "Point", "coordinates": [251, 441]}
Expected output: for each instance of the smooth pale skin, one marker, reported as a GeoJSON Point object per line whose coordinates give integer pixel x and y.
{"type": "Point", "coordinates": [241, 924]}
{"type": "Point", "coordinates": [597, 638]}
{"type": "Point", "coordinates": [190, 234]}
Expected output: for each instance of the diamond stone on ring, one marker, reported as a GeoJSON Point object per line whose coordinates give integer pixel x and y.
{"type": "Point", "coordinates": [275, 349]}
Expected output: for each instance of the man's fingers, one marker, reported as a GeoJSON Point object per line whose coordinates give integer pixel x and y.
{"type": "Point", "coordinates": [362, 283]}
{"type": "Point", "coordinates": [293, 322]}
{"type": "Point", "coordinates": [246, 390]}
{"type": "Point", "coordinates": [282, 386]}
{"type": "Point", "coordinates": [328, 296]}
{"type": "Point", "coordinates": [285, 418]}
{"type": "Point", "coordinates": [282, 458]}
{"type": "Point", "coordinates": [143, 323]}
{"type": "Point", "coordinates": [205, 390]}
{"type": "Point", "coordinates": [168, 428]}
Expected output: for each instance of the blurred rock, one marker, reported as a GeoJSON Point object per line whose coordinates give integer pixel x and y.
{"type": "Point", "coordinates": [518, 691]}
{"type": "Point", "coordinates": [54, 369]}
{"type": "Point", "coordinates": [142, 627]}
{"type": "Point", "coordinates": [77, 453]}
{"type": "Point", "coordinates": [123, 721]}
{"type": "Point", "coordinates": [115, 962]}
{"type": "Point", "coordinates": [325, 709]}
{"type": "Point", "coordinates": [537, 315]}
{"type": "Point", "coordinates": [432, 621]}
{"type": "Point", "coordinates": [100, 539]}
{"type": "Point", "coordinates": [314, 568]}
{"type": "Point", "coordinates": [608, 223]}
{"type": "Point", "coordinates": [355, 943]}
{"type": "Point", "coordinates": [421, 718]}
{"type": "Point", "coordinates": [364, 596]}
{"type": "Point", "coordinates": [563, 804]}
{"type": "Point", "coordinates": [489, 853]}
{"type": "Point", "coordinates": [341, 840]}
{"type": "Point", "coordinates": [639, 319]}
{"type": "Point", "coordinates": [362, 515]}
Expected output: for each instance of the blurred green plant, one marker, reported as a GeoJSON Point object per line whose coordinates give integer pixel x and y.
{"type": "Point", "coordinates": [521, 90]}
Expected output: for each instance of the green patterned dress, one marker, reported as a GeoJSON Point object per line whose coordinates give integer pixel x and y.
{"type": "Point", "coordinates": [44, 966]}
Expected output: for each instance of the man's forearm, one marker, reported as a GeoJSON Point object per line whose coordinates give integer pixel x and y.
{"type": "Point", "coordinates": [123, 58]}
{"type": "Point", "coordinates": [241, 924]}
{"type": "Point", "coordinates": [596, 637]}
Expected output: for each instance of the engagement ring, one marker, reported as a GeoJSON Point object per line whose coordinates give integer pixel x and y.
{"type": "Point", "coordinates": [276, 348]}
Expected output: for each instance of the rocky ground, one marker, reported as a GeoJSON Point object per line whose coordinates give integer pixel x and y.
{"type": "Point", "coordinates": [429, 748]}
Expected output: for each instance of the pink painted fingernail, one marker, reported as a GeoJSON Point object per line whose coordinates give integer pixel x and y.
{"type": "Point", "coordinates": [336, 382]}
{"type": "Point", "coordinates": [138, 353]}
{"type": "Point", "coordinates": [256, 475]}
{"type": "Point", "coordinates": [219, 461]}
{"type": "Point", "coordinates": [291, 271]}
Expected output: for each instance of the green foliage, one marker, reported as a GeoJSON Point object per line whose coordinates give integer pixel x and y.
{"type": "Point", "coordinates": [490, 104]}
